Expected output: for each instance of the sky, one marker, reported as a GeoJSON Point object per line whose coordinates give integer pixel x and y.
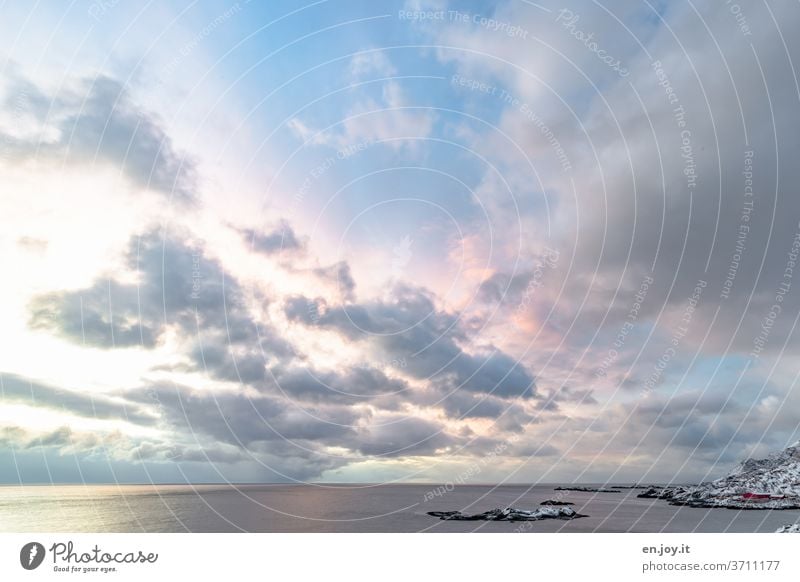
{"type": "Point", "coordinates": [405, 241]}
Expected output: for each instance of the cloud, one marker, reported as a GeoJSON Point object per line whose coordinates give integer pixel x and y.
{"type": "Point", "coordinates": [173, 287]}
{"type": "Point", "coordinates": [299, 376]}
{"type": "Point", "coordinates": [390, 117]}
{"type": "Point", "coordinates": [405, 436]}
{"type": "Point", "coordinates": [177, 283]}
{"type": "Point", "coordinates": [21, 390]}
{"type": "Point", "coordinates": [172, 284]}
{"type": "Point", "coordinates": [373, 61]}
{"type": "Point", "coordinates": [305, 133]}
{"type": "Point", "coordinates": [31, 244]}
{"type": "Point", "coordinates": [410, 327]}
{"type": "Point", "coordinates": [243, 420]}
{"type": "Point", "coordinates": [340, 275]}
{"type": "Point", "coordinates": [96, 121]}
{"type": "Point", "coordinates": [280, 240]}
{"type": "Point", "coordinates": [67, 441]}
{"type": "Point", "coordinates": [349, 386]}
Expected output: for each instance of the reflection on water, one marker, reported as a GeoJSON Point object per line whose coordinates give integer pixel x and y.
{"type": "Point", "coordinates": [351, 508]}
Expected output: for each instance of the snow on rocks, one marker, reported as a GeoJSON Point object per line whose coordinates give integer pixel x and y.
{"type": "Point", "coordinates": [770, 483]}
{"type": "Point", "coordinates": [587, 489]}
{"type": "Point", "coordinates": [791, 528]}
{"type": "Point", "coordinates": [510, 514]}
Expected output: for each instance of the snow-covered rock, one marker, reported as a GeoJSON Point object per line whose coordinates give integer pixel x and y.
{"type": "Point", "coordinates": [510, 514]}
{"type": "Point", "coordinates": [791, 528]}
{"type": "Point", "coordinates": [587, 489]}
{"type": "Point", "coordinates": [771, 483]}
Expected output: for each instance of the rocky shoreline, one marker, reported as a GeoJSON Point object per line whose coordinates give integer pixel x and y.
{"type": "Point", "coordinates": [700, 496]}
{"type": "Point", "coordinates": [510, 514]}
{"type": "Point", "coordinates": [587, 489]}
{"type": "Point", "coordinates": [756, 484]}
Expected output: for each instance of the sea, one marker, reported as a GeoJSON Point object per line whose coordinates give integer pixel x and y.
{"type": "Point", "coordinates": [349, 508]}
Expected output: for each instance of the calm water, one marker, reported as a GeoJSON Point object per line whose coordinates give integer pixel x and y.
{"type": "Point", "coordinates": [345, 508]}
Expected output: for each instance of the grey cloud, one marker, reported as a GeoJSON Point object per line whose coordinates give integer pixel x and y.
{"type": "Point", "coordinates": [428, 339]}
{"type": "Point", "coordinates": [405, 436]}
{"type": "Point", "coordinates": [113, 447]}
{"type": "Point", "coordinates": [179, 285]}
{"type": "Point", "coordinates": [351, 386]}
{"type": "Point", "coordinates": [279, 240]}
{"type": "Point", "coordinates": [340, 275]}
{"type": "Point", "coordinates": [503, 287]}
{"type": "Point", "coordinates": [533, 450]}
{"type": "Point", "coordinates": [506, 415]}
{"type": "Point", "coordinates": [89, 316]}
{"type": "Point", "coordinates": [240, 420]}
{"type": "Point", "coordinates": [272, 425]}
{"type": "Point", "coordinates": [299, 308]}
{"type": "Point", "coordinates": [17, 389]}
{"type": "Point", "coordinates": [98, 121]}
{"type": "Point", "coordinates": [550, 400]}
{"type": "Point", "coordinates": [627, 218]}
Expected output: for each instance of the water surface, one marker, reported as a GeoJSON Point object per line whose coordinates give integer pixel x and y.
{"type": "Point", "coordinates": [346, 508]}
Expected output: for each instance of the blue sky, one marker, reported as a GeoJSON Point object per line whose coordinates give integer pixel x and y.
{"type": "Point", "coordinates": [351, 241]}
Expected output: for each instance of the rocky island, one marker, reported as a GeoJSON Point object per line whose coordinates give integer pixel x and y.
{"type": "Point", "coordinates": [587, 489]}
{"type": "Point", "coordinates": [770, 483]}
{"type": "Point", "coordinates": [510, 514]}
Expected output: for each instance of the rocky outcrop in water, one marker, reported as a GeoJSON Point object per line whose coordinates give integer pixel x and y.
{"type": "Point", "coordinates": [587, 489]}
{"type": "Point", "coordinates": [770, 483]}
{"type": "Point", "coordinates": [510, 514]}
